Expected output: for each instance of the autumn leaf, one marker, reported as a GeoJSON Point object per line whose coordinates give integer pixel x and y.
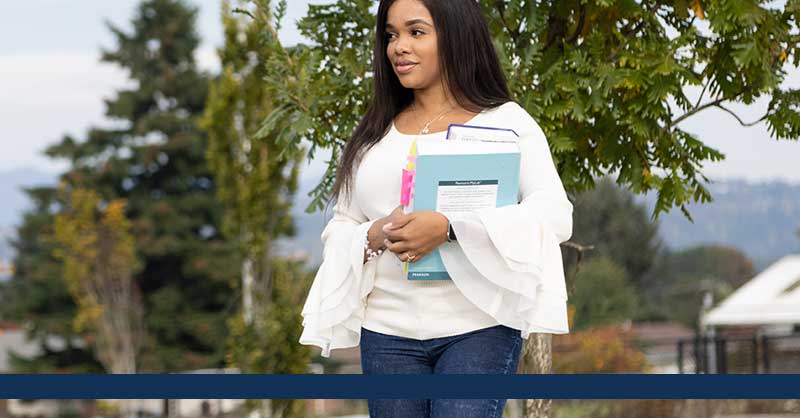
{"type": "Point", "coordinates": [698, 9]}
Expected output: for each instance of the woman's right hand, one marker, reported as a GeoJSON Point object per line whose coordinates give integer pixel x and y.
{"type": "Point", "coordinates": [396, 213]}
{"type": "Point", "coordinates": [376, 235]}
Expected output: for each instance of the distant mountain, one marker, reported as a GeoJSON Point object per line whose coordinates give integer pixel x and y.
{"type": "Point", "coordinates": [760, 219]}
{"type": "Point", "coordinates": [14, 200]}
{"type": "Point", "coordinates": [6, 234]}
{"type": "Point", "coordinates": [309, 225]}
{"type": "Point", "coordinates": [14, 203]}
{"type": "Point", "coordinates": [6, 253]}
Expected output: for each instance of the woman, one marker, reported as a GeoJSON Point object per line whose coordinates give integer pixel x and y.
{"type": "Point", "coordinates": [434, 64]}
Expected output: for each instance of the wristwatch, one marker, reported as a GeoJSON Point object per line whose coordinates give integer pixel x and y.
{"type": "Point", "coordinates": [451, 233]}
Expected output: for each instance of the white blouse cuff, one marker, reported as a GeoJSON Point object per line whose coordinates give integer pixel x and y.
{"type": "Point", "coordinates": [334, 309]}
{"type": "Point", "coordinates": [529, 296]}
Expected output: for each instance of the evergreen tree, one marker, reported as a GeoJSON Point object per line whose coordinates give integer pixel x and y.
{"type": "Point", "coordinates": [154, 158]}
{"type": "Point", "coordinates": [38, 296]}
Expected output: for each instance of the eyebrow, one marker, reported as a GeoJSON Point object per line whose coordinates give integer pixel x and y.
{"type": "Point", "coordinates": [411, 22]}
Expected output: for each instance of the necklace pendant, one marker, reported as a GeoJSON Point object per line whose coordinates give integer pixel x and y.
{"type": "Point", "coordinates": [425, 130]}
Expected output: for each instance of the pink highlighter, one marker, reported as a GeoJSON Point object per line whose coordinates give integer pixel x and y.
{"type": "Point", "coordinates": [407, 189]}
{"type": "Point", "coordinates": [407, 186]}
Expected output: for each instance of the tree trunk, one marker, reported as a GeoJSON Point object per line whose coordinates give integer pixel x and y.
{"type": "Point", "coordinates": [262, 302]}
{"type": "Point", "coordinates": [265, 408]}
{"type": "Point", "coordinates": [254, 301]}
{"type": "Point", "coordinates": [128, 408]}
{"type": "Point", "coordinates": [247, 291]}
{"type": "Point", "coordinates": [537, 358]}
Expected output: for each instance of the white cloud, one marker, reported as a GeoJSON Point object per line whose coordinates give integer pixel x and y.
{"type": "Point", "coordinates": [55, 79]}
{"type": "Point", "coordinates": [55, 84]}
{"type": "Point", "coordinates": [46, 95]}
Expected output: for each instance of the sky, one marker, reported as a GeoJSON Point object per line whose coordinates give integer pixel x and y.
{"type": "Point", "coordinates": [52, 84]}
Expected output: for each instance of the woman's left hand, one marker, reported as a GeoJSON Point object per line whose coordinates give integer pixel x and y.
{"type": "Point", "coordinates": [415, 235]}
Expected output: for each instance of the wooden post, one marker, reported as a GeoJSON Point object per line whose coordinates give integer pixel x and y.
{"type": "Point", "coordinates": [537, 358]}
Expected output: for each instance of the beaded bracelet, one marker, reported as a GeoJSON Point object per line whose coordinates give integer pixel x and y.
{"type": "Point", "coordinates": [371, 254]}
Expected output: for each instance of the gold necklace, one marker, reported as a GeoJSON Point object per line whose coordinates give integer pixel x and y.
{"type": "Point", "coordinates": [425, 129]}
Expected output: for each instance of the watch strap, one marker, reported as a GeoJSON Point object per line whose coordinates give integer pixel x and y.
{"type": "Point", "coordinates": [451, 233]}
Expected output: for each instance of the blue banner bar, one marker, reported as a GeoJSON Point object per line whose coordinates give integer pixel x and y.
{"type": "Point", "coordinates": [309, 386]}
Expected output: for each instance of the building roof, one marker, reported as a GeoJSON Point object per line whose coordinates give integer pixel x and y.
{"type": "Point", "coordinates": [771, 297]}
{"type": "Point", "coordinates": [14, 340]}
{"type": "Point", "coordinates": [661, 332]}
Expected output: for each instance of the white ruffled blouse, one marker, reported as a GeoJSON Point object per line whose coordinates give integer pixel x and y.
{"type": "Point", "coordinates": [506, 266]}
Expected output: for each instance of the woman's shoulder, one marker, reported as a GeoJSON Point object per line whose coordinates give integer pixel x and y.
{"type": "Point", "coordinates": [512, 115]}
{"type": "Point", "coordinates": [510, 109]}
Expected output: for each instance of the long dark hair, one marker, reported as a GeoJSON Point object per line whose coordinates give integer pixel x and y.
{"type": "Point", "coordinates": [470, 70]}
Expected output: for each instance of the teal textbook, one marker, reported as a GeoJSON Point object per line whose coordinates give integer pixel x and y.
{"type": "Point", "coordinates": [475, 168]}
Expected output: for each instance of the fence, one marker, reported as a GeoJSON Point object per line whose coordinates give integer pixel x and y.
{"type": "Point", "coordinates": [766, 354]}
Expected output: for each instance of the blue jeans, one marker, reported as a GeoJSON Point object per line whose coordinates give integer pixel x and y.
{"type": "Point", "coordinates": [493, 350]}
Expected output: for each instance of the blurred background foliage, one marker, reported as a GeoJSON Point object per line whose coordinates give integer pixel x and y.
{"type": "Point", "coordinates": [207, 165]}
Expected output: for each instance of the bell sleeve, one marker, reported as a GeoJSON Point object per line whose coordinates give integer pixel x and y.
{"type": "Point", "coordinates": [507, 260]}
{"type": "Point", "coordinates": [334, 309]}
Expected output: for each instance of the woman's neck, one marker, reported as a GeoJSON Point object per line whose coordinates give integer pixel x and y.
{"type": "Point", "coordinates": [433, 100]}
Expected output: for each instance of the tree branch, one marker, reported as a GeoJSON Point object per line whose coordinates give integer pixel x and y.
{"type": "Point", "coordinates": [628, 37]}
{"type": "Point", "coordinates": [579, 251]}
{"type": "Point", "coordinates": [739, 119]}
{"type": "Point", "coordinates": [577, 247]}
{"type": "Point", "coordinates": [579, 28]}
{"type": "Point", "coordinates": [633, 32]}
{"type": "Point", "coordinates": [501, 11]}
{"type": "Point", "coordinates": [556, 28]}
{"type": "Point", "coordinates": [695, 110]}
{"type": "Point", "coordinates": [700, 99]}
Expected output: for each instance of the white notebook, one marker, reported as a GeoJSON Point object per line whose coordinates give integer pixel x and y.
{"type": "Point", "coordinates": [480, 133]}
